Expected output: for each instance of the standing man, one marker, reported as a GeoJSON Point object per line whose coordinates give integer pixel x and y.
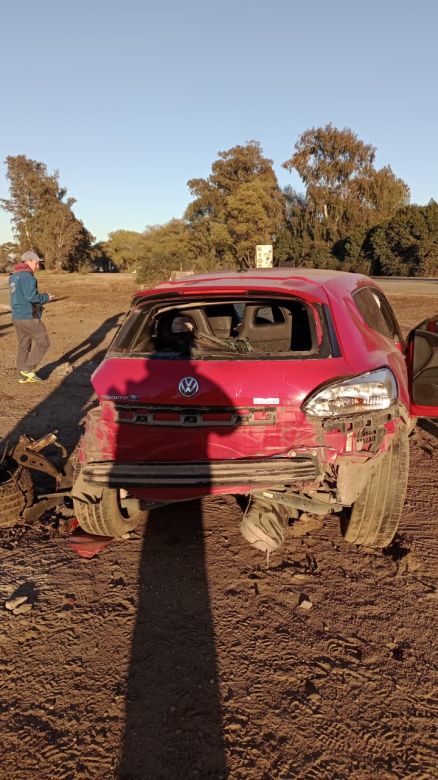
{"type": "Point", "coordinates": [27, 309]}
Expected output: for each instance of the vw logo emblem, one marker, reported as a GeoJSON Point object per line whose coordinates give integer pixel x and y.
{"type": "Point", "coordinates": [188, 386]}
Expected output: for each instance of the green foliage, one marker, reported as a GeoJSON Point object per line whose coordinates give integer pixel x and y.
{"type": "Point", "coordinates": [125, 248]}
{"type": "Point", "coordinates": [351, 216]}
{"type": "Point", "coordinates": [296, 241]}
{"type": "Point", "coordinates": [407, 244]}
{"type": "Point", "coordinates": [8, 256]}
{"type": "Point", "coordinates": [353, 251]}
{"type": "Point", "coordinates": [42, 216]}
{"type": "Point", "coordinates": [239, 206]}
{"type": "Point", "coordinates": [252, 217]}
{"type": "Point", "coordinates": [344, 191]}
{"type": "Point", "coordinates": [167, 248]}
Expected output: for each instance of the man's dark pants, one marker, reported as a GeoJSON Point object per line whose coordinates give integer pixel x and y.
{"type": "Point", "coordinates": [33, 343]}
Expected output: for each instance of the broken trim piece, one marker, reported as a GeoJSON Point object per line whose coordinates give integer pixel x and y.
{"type": "Point", "coordinates": [27, 454]}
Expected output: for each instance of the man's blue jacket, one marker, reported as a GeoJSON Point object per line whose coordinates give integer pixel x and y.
{"type": "Point", "coordinates": [26, 301]}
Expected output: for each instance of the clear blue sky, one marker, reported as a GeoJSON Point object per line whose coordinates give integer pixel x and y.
{"type": "Point", "coordinates": [130, 99]}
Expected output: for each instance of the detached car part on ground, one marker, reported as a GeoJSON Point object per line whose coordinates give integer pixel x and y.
{"type": "Point", "coordinates": [293, 387]}
{"type": "Point", "coordinates": [16, 486]}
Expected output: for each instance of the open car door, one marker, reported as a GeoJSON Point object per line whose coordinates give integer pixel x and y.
{"type": "Point", "coordinates": [422, 361]}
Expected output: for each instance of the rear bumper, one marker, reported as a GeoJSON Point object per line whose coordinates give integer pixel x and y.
{"type": "Point", "coordinates": [212, 474]}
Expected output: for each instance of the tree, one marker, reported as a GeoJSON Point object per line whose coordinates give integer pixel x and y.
{"type": "Point", "coordinates": [344, 191]}
{"type": "Point", "coordinates": [8, 256]}
{"type": "Point", "coordinates": [42, 216]}
{"type": "Point", "coordinates": [406, 245]}
{"type": "Point", "coordinates": [296, 241]}
{"type": "Point", "coordinates": [353, 251]}
{"type": "Point", "coordinates": [237, 207]}
{"type": "Point", "coordinates": [252, 217]}
{"type": "Point", "coordinates": [126, 249]}
{"type": "Point", "coordinates": [167, 248]}
{"type": "Point", "coordinates": [211, 245]}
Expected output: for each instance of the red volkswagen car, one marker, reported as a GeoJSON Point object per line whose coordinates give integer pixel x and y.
{"type": "Point", "coordinates": [292, 387]}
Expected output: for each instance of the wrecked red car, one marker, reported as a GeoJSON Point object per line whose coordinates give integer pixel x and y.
{"type": "Point", "coordinates": [293, 387]}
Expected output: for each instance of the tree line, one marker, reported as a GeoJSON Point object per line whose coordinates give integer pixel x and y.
{"type": "Point", "coordinates": [350, 215]}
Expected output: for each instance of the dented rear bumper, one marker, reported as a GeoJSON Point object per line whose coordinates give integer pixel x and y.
{"type": "Point", "coordinates": [228, 473]}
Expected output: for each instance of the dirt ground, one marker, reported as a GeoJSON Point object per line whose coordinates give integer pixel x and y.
{"type": "Point", "coordinates": [177, 653]}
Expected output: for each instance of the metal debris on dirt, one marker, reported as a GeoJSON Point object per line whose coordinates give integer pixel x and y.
{"type": "Point", "coordinates": [27, 453]}
{"type": "Point", "coordinates": [17, 462]}
{"type": "Point", "coordinates": [16, 489]}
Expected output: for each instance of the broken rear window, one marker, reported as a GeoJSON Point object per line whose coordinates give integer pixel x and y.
{"type": "Point", "coordinates": [213, 329]}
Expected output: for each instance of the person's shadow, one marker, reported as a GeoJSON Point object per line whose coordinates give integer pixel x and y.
{"type": "Point", "coordinates": [5, 327]}
{"type": "Point", "coordinates": [173, 726]}
{"type": "Point", "coordinates": [80, 350]}
{"type": "Point", "coordinates": [63, 409]}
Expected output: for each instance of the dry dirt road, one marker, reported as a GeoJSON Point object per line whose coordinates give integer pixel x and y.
{"type": "Point", "coordinates": [177, 653]}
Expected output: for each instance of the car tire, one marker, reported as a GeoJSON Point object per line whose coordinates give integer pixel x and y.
{"type": "Point", "coordinates": [107, 516]}
{"type": "Point", "coordinates": [264, 525]}
{"type": "Point", "coordinates": [374, 518]}
{"type": "Point", "coordinates": [16, 494]}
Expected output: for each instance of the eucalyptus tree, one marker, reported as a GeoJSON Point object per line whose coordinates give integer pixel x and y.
{"type": "Point", "coordinates": [237, 207]}
{"type": "Point", "coordinates": [344, 190]}
{"type": "Point", "coordinates": [42, 215]}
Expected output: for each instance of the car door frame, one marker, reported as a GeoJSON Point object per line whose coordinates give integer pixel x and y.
{"type": "Point", "coordinates": [430, 335]}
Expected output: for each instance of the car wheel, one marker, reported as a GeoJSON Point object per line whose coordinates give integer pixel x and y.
{"type": "Point", "coordinates": [112, 514]}
{"type": "Point", "coordinates": [16, 493]}
{"type": "Point", "coordinates": [374, 518]}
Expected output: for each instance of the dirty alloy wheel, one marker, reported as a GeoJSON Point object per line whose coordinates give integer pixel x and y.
{"type": "Point", "coordinates": [110, 515]}
{"type": "Point", "coordinates": [16, 493]}
{"type": "Point", "coordinates": [374, 518]}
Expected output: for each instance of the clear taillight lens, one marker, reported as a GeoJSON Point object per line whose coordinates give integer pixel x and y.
{"type": "Point", "coordinates": [367, 392]}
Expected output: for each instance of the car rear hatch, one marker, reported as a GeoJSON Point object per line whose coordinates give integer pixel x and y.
{"type": "Point", "coordinates": [209, 393]}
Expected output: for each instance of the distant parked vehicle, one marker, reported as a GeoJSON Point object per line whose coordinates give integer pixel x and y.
{"type": "Point", "coordinates": [104, 267]}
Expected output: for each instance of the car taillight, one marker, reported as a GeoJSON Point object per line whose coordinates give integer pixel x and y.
{"type": "Point", "coordinates": [368, 392]}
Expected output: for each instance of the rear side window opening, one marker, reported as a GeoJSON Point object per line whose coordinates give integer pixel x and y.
{"type": "Point", "coordinates": [232, 328]}
{"type": "Point", "coordinates": [377, 312]}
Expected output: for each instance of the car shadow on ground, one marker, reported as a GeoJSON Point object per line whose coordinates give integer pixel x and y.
{"type": "Point", "coordinates": [173, 721]}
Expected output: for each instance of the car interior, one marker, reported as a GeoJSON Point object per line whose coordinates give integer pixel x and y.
{"type": "Point", "coordinates": [264, 327]}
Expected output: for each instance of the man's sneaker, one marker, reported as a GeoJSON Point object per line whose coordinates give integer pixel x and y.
{"type": "Point", "coordinates": [28, 376]}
